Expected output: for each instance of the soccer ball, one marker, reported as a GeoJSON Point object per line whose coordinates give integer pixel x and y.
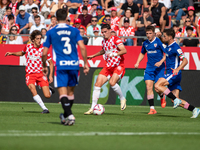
{"type": "Point", "coordinates": [98, 109]}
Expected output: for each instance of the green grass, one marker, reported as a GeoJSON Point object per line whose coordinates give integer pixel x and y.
{"type": "Point", "coordinates": [22, 126]}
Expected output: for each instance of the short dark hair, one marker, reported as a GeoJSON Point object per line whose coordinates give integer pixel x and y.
{"type": "Point", "coordinates": [37, 16]}
{"type": "Point", "coordinates": [170, 32]}
{"type": "Point", "coordinates": [10, 17]}
{"type": "Point", "coordinates": [84, 8]}
{"type": "Point", "coordinates": [7, 8]}
{"type": "Point", "coordinates": [61, 14]}
{"type": "Point", "coordinates": [53, 16]}
{"type": "Point", "coordinates": [189, 28]}
{"type": "Point", "coordinates": [44, 29]}
{"type": "Point", "coordinates": [107, 26]}
{"type": "Point", "coordinates": [35, 8]}
{"type": "Point", "coordinates": [94, 17]}
{"type": "Point", "coordinates": [34, 34]}
{"type": "Point", "coordinates": [150, 28]}
{"type": "Point", "coordinates": [107, 16]}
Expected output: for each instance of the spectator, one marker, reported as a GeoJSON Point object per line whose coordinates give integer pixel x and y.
{"type": "Point", "coordinates": [190, 42]}
{"type": "Point", "coordinates": [113, 33]}
{"type": "Point", "coordinates": [5, 18]}
{"type": "Point", "coordinates": [3, 4]}
{"type": "Point", "coordinates": [11, 22]}
{"type": "Point", "coordinates": [85, 17]}
{"type": "Point", "coordinates": [100, 17]}
{"type": "Point", "coordinates": [114, 19]}
{"type": "Point", "coordinates": [56, 2]}
{"type": "Point", "coordinates": [97, 41]}
{"type": "Point", "coordinates": [132, 6]}
{"type": "Point", "coordinates": [15, 7]}
{"type": "Point", "coordinates": [29, 6]}
{"type": "Point", "coordinates": [142, 23]}
{"type": "Point", "coordinates": [167, 3]}
{"type": "Point", "coordinates": [32, 20]}
{"type": "Point", "coordinates": [102, 3]}
{"type": "Point", "coordinates": [68, 21]}
{"type": "Point", "coordinates": [14, 39]}
{"type": "Point", "coordinates": [117, 3]}
{"type": "Point", "coordinates": [94, 8]}
{"type": "Point", "coordinates": [188, 24]}
{"type": "Point", "coordinates": [128, 15]}
{"type": "Point", "coordinates": [22, 20]}
{"type": "Point", "coordinates": [82, 33]}
{"type": "Point", "coordinates": [191, 15]}
{"type": "Point", "coordinates": [37, 25]}
{"type": "Point", "coordinates": [177, 33]}
{"type": "Point", "coordinates": [87, 5]}
{"type": "Point", "coordinates": [178, 9]}
{"type": "Point", "coordinates": [197, 22]}
{"type": "Point", "coordinates": [45, 5]}
{"type": "Point", "coordinates": [90, 29]}
{"type": "Point", "coordinates": [159, 14]}
{"type": "Point", "coordinates": [107, 20]}
{"type": "Point", "coordinates": [74, 5]}
{"type": "Point", "coordinates": [77, 24]}
{"type": "Point", "coordinates": [56, 7]}
{"type": "Point", "coordinates": [127, 30]}
{"type": "Point", "coordinates": [43, 31]}
{"type": "Point", "coordinates": [53, 22]}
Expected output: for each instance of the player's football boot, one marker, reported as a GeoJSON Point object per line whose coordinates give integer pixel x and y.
{"type": "Point", "coordinates": [163, 101]}
{"type": "Point", "coordinates": [177, 102]}
{"type": "Point", "coordinates": [89, 112]}
{"type": "Point", "coordinates": [62, 118]}
{"type": "Point", "coordinates": [152, 111]}
{"type": "Point", "coordinates": [46, 111]}
{"type": "Point", "coordinates": [52, 89]}
{"type": "Point", "coordinates": [70, 120]}
{"type": "Point", "coordinates": [123, 104]}
{"type": "Point", "coordinates": [195, 113]}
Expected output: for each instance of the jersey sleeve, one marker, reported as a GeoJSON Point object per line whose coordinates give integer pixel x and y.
{"type": "Point", "coordinates": [24, 50]}
{"type": "Point", "coordinates": [179, 52]}
{"type": "Point", "coordinates": [117, 41]}
{"type": "Point", "coordinates": [48, 56]}
{"type": "Point", "coordinates": [143, 50]}
{"type": "Point", "coordinates": [78, 36]}
{"type": "Point", "coordinates": [161, 45]}
{"type": "Point", "coordinates": [47, 39]}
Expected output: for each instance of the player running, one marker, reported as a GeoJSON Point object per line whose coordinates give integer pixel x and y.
{"type": "Point", "coordinates": [114, 70]}
{"type": "Point", "coordinates": [172, 79]}
{"type": "Point", "coordinates": [155, 67]}
{"type": "Point", "coordinates": [33, 69]}
{"type": "Point", "coordinates": [64, 39]}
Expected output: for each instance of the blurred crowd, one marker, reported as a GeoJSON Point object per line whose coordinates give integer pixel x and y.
{"type": "Point", "coordinates": [126, 17]}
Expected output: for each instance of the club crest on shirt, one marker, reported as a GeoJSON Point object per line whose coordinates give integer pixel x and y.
{"type": "Point", "coordinates": [146, 45]}
{"type": "Point", "coordinates": [155, 45]}
{"type": "Point", "coordinates": [169, 49]}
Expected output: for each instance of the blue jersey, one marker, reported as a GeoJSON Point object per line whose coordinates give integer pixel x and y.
{"type": "Point", "coordinates": [64, 39]}
{"type": "Point", "coordinates": [173, 56]}
{"type": "Point", "coordinates": [154, 51]}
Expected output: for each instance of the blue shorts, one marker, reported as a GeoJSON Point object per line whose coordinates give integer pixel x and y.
{"type": "Point", "coordinates": [154, 75]}
{"type": "Point", "coordinates": [65, 78]}
{"type": "Point", "coordinates": [174, 81]}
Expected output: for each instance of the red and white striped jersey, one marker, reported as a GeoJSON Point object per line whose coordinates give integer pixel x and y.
{"type": "Point", "coordinates": [6, 27]}
{"type": "Point", "coordinates": [185, 33]}
{"type": "Point", "coordinates": [115, 23]}
{"type": "Point", "coordinates": [89, 7]}
{"type": "Point", "coordinates": [130, 31]}
{"type": "Point", "coordinates": [111, 46]}
{"type": "Point", "coordinates": [34, 58]}
{"type": "Point", "coordinates": [14, 7]}
{"type": "Point", "coordinates": [177, 34]}
{"type": "Point", "coordinates": [5, 20]}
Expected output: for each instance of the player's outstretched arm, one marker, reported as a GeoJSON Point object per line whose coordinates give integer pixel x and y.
{"type": "Point", "coordinates": [20, 53]}
{"type": "Point", "coordinates": [97, 54]}
{"type": "Point", "coordinates": [158, 64]}
{"type": "Point", "coordinates": [44, 59]}
{"type": "Point", "coordinates": [51, 71]}
{"type": "Point", "coordinates": [140, 57]}
{"type": "Point", "coordinates": [84, 55]}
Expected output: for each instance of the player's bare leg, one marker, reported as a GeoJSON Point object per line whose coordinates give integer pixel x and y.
{"type": "Point", "coordinates": [68, 117]}
{"type": "Point", "coordinates": [162, 98]}
{"type": "Point", "coordinates": [113, 82]}
{"type": "Point", "coordinates": [150, 96]}
{"type": "Point", "coordinates": [160, 86]}
{"type": "Point", "coordinates": [46, 91]}
{"type": "Point", "coordinates": [37, 98]}
{"type": "Point", "coordinates": [70, 94]}
{"type": "Point", "coordinates": [101, 80]}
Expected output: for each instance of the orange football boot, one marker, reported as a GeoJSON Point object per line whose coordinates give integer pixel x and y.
{"type": "Point", "coordinates": [163, 101]}
{"type": "Point", "coordinates": [152, 111]}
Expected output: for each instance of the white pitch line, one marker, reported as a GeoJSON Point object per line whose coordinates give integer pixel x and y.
{"type": "Point", "coordinates": [55, 133]}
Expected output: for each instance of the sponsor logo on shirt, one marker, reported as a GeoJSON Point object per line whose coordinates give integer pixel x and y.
{"type": "Point", "coordinates": [151, 52]}
{"type": "Point", "coordinates": [69, 63]}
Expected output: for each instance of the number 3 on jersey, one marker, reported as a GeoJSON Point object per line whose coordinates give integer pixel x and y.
{"type": "Point", "coordinates": [69, 48]}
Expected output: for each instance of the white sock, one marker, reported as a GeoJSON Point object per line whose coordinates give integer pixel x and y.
{"type": "Point", "coordinates": [95, 96]}
{"type": "Point", "coordinates": [118, 91]}
{"type": "Point", "coordinates": [152, 107]}
{"type": "Point", "coordinates": [38, 99]}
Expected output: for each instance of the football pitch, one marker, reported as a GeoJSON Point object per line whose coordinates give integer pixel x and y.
{"type": "Point", "coordinates": [23, 127]}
